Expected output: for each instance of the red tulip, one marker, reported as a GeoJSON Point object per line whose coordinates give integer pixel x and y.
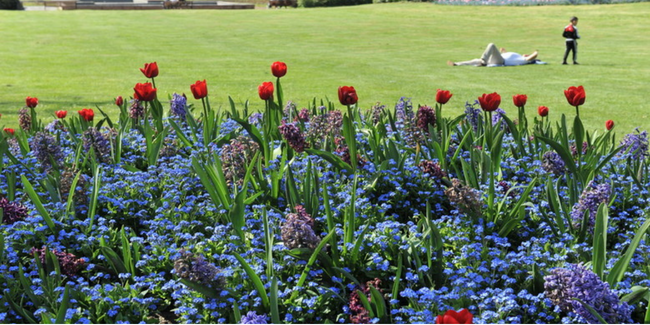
{"type": "Point", "coordinates": [265, 90]}
{"type": "Point", "coordinates": [575, 95]}
{"type": "Point", "coordinates": [31, 102]}
{"type": "Point", "coordinates": [609, 124]}
{"type": "Point", "coordinates": [519, 100]}
{"type": "Point", "coordinates": [9, 131]}
{"type": "Point", "coordinates": [144, 92]}
{"type": "Point", "coordinates": [199, 89]}
{"type": "Point", "coordinates": [279, 69]}
{"type": "Point", "coordinates": [347, 95]}
{"type": "Point", "coordinates": [490, 102]}
{"type": "Point", "coordinates": [87, 114]}
{"type": "Point", "coordinates": [443, 96]}
{"type": "Point", "coordinates": [542, 111]}
{"type": "Point", "coordinates": [150, 70]}
{"type": "Point", "coordinates": [453, 317]}
{"type": "Point", "coordinates": [119, 101]}
{"type": "Point", "coordinates": [61, 114]}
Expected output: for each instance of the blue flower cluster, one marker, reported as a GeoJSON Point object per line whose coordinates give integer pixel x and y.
{"type": "Point", "coordinates": [151, 220]}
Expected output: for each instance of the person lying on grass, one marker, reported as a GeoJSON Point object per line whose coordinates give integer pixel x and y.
{"type": "Point", "coordinates": [493, 57]}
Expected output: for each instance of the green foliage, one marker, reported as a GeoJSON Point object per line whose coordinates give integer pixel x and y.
{"type": "Point", "coordinates": [11, 5]}
{"type": "Point", "coordinates": [618, 270]}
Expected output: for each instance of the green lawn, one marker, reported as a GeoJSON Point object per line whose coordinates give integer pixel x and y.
{"type": "Point", "coordinates": [76, 59]}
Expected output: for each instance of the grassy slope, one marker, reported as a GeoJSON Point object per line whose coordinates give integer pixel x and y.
{"type": "Point", "coordinates": [76, 59]}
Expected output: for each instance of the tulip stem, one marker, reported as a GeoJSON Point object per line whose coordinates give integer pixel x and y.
{"type": "Point", "coordinates": [523, 123]}
{"type": "Point", "coordinates": [207, 127]}
{"type": "Point", "coordinates": [438, 115]}
{"type": "Point", "coordinates": [577, 112]}
{"type": "Point", "coordinates": [153, 83]}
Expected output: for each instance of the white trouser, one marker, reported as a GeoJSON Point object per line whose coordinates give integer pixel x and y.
{"type": "Point", "coordinates": [491, 56]}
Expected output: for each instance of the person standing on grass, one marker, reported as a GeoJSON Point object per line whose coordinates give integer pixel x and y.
{"type": "Point", "coordinates": [571, 35]}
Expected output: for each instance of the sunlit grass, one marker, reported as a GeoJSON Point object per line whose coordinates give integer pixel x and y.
{"type": "Point", "coordinates": [76, 59]}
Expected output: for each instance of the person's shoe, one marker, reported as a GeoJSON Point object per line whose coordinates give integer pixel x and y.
{"type": "Point", "coordinates": [564, 63]}
{"type": "Point", "coordinates": [451, 63]}
{"type": "Point", "coordinates": [576, 63]}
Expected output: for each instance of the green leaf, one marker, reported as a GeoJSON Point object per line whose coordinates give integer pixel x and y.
{"type": "Point", "coordinates": [514, 221]}
{"type": "Point", "coordinates": [538, 280]}
{"type": "Point", "coordinates": [237, 314]}
{"type": "Point", "coordinates": [291, 188]}
{"type": "Point", "coordinates": [26, 286]}
{"type": "Point", "coordinates": [279, 93]}
{"type": "Point", "coordinates": [469, 173]}
{"type": "Point", "coordinates": [349, 226]}
{"type": "Point", "coordinates": [257, 282]}
{"type": "Point", "coordinates": [46, 318]}
{"type": "Point", "coordinates": [11, 185]}
{"type": "Point", "coordinates": [618, 270]}
{"type": "Point", "coordinates": [201, 288]}
{"type": "Point", "coordinates": [275, 311]}
{"type": "Point", "coordinates": [29, 189]}
{"type": "Point", "coordinates": [606, 160]}
{"type": "Point", "coordinates": [354, 253]}
{"type": "Point", "coordinates": [331, 224]}
{"type": "Point", "coordinates": [517, 212]}
{"type": "Point", "coordinates": [63, 309]}
{"type": "Point", "coordinates": [179, 134]}
{"type": "Point", "coordinates": [126, 253]}
{"type": "Point", "coordinates": [584, 225]}
{"type": "Point", "coordinates": [495, 152]}
{"type": "Point", "coordinates": [578, 134]}
{"type": "Point", "coordinates": [349, 132]}
{"type": "Point", "coordinates": [268, 243]}
{"type": "Point", "coordinates": [467, 138]}
{"type": "Point", "coordinates": [564, 153]}
{"type": "Point", "coordinates": [213, 181]}
{"type": "Point", "coordinates": [302, 253]}
{"type": "Point", "coordinates": [311, 261]}
{"type": "Point", "coordinates": [600, 241]}
{"type": "Point", "coordinates": [21, 312]}
{"type": "Point", "coordinates": [255, 134]}
{"type": "Point", "coordinates": [638, 293]}
{"type": "Point", "coordinates": [591, 310]}
{"type": "Point", "coordinates": [72, 192]}
{"type": "Point", "coordinates": [515, 133]}
{"type": "Point", "coordinates": [398, 277]}
{"type": "Point", "coordinates": [2, 245]}
{"type": "Point", "coordinates": [50, 184]}
{"type": "Point", "coordinates": [348, 275]}
{"type": "Point", "coordinates": [524, 195]}
{"type": "Point", "coordinates": [440, 153]}
{"type": "Point", "coordinates": [94, 197]}
{"type": "Point", "coordinates": [238, 213]}
{"type": "Point", "coordinates": [156, 145]}
{"type": "Point", "coordinates": [554, 203]}
{"type": "Point", "coordinates": [378, 301]}
{"type": "Point", "coordinates": [114, 260]}
{"type": "Point", "coordinates": [366, 303]}
{"type": "Point", "coordinates": [333, 159]}
{"type": "Point", "coordinates": [52, 264]}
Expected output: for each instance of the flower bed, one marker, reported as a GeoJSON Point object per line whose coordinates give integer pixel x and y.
{"type": "Point", "coordinates": [180, 213]}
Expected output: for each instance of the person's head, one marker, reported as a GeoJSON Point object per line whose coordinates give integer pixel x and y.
{"type": "Point", "coordinates": [574, 20]}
